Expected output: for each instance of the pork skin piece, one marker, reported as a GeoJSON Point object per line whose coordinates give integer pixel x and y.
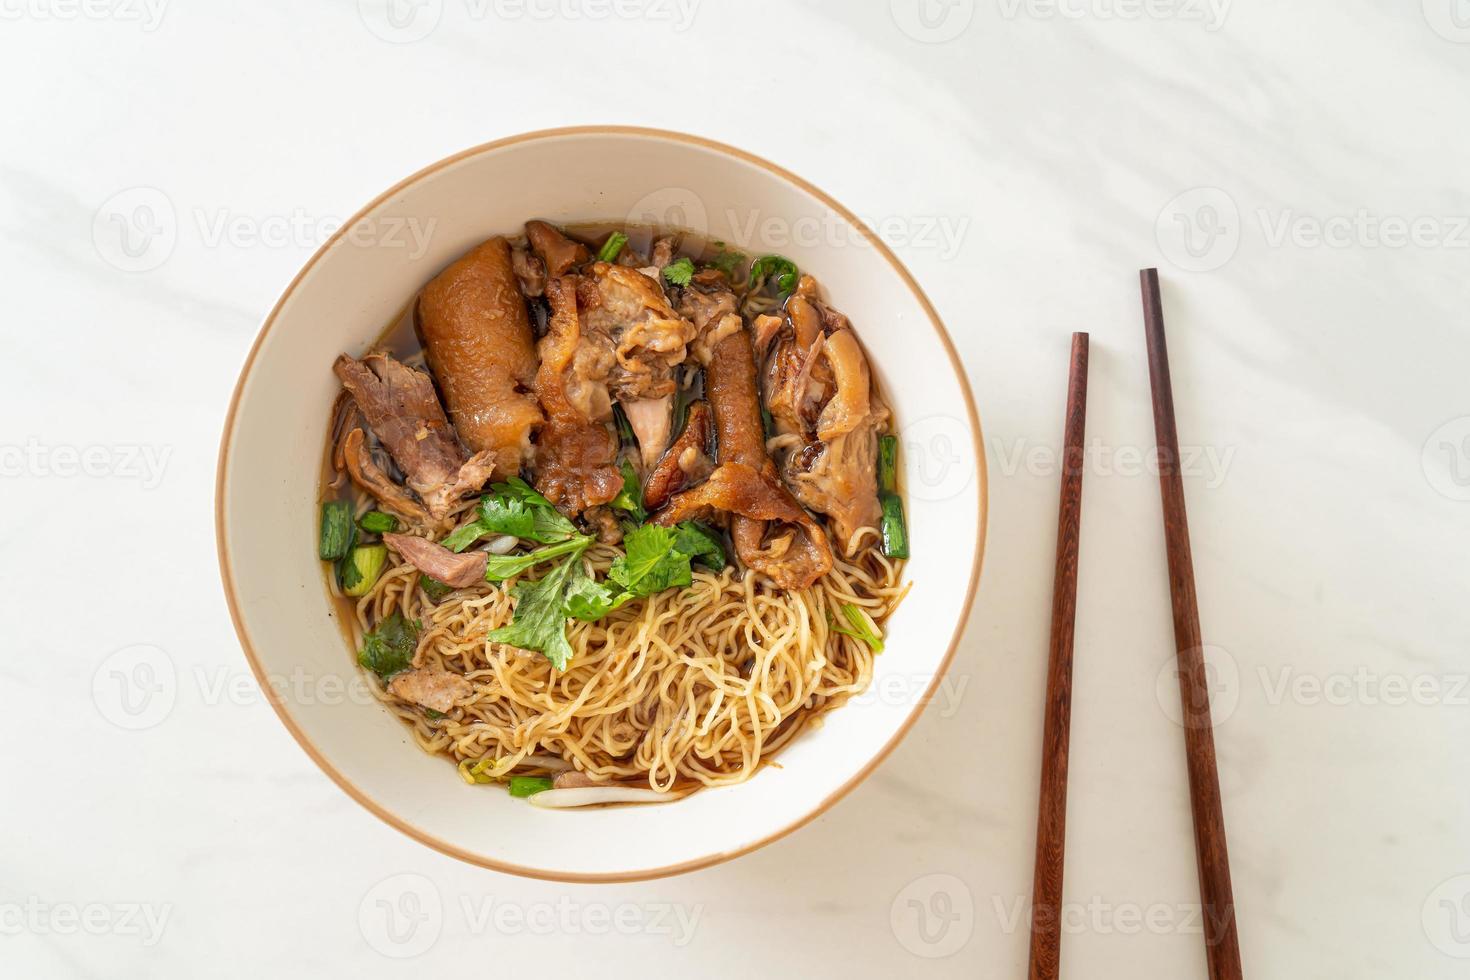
{"type": "Point", "coordinates": [818, 387]}
{"type": "Point", "coordinates": [649, 338]}
{"type": "Point", "coordinates": [575, 453]}
{"type": "Point", "coordinates": [685, 462]}
{"type": "Point", "coordinates": [632, 339]}
{"type": "Point", "coordinates": [773, 535]}
{"type": "Point", "coordinates": [558, 253]}
{"type": "Point", "coordinates": [472, 320]}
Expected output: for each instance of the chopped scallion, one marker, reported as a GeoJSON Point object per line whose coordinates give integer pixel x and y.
{"type": "Point", "coordinates": [612, 247]}
{"type": "Point", "coordinates": [777, 268]}
{"type": "Point", "coordinates": [524, 786]}
{"type": "Point", "coordinates": [888, 464]}
{"type": "Point", "coordinates": [861, 627]}
{"type": "Point", "coordinates": [895, 532]}
{"type": "Point", "coordinates": [363, 566]}
{"type": "Point", "coordinates": [337, 530]}
{"type": "Point", "coordinates": [377, 522]}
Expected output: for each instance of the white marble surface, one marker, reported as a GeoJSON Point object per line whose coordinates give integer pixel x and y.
{"type": "Point", "coordinates": [1023, 160]}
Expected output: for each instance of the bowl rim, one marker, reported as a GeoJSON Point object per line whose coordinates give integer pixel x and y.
{"type": "Point", "coordinates": [648, 874]}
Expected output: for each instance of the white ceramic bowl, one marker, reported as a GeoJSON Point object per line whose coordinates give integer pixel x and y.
{"type": "Point", "coordinates": [360, 280]}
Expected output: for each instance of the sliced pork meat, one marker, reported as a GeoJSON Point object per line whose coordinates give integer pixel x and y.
{"type": "Point", "coordinates": [764, 330]}
{"type": "Point", "coordinates": [663, 253]}
{"type": "Point", "coordinates": [403, 411]}
{"type": "Point", "coordinates": [773, 535]}
{"type": "Point", "coordinates": [576, 452]}
{"type": "Point", "coordinates": [477, 335]}
{"type": "Point", "coordinates": [438, 690]}
{"type": "Point", "coordinates": [851, 403]}
{"type": "Point", "coordinates": [356, 459]}
{"type": "Point", "coordinates": [686, 461]}
{"type": "Point", "coordinates": [818, 391]}
{"type": "Point", "coordinates": [438, 562]}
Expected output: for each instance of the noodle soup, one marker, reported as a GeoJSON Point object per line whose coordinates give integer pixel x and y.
{"type": "Point", "coordinates": [613, 513]}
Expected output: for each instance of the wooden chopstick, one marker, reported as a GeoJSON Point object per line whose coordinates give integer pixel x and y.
{"type": "Point", "coordinates": [1051, 814]}
{"type": "Point", "coordinates": [1222, 945]}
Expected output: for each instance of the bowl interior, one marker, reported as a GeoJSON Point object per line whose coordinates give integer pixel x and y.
{"type": "Point", "coordinates": [361, 279]}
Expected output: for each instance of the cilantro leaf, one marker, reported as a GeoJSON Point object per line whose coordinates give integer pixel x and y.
{"type": "Point", "coordinates": [435, 589]}
{"type": "Point", "coordinates": [462, 537]}
{"type": "Point", "coordinates": [727, 262]}
{"type": "Point", "coordinates": [507, 515]}
{"type": "Point", "coordinates": [679, 273]}
{"type": "Point", "coordinates": [589, 599]}
{"type": "Point", "coordinates": [540, 619]}
{"type": "Point", "coordinates": [550, 525]}
{"type": "Point", "coordinates": [630, 498]}
{"type": "Point", "coordinates": [700, 544]}
{"type": "Point", "coordinates": [650, 563]}
{"type": "Point", "coordinates": [655, 558]}
{"type": "Point", "coordinates": [388, 650]}
{"type": "Point", "coordinates": [516, 509]}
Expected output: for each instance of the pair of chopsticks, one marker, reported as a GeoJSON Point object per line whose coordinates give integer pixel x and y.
{"type": "Point", "coordinates": [1222, 947]}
